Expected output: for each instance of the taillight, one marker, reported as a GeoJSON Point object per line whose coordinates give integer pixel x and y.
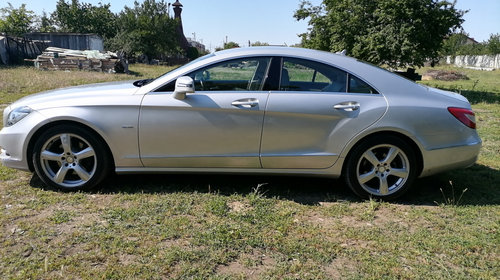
{"type": "Point", "coordinates": [465, 116]}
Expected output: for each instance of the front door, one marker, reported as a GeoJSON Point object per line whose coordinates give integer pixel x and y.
{"type": "Point", "coordinates": [220, 125]}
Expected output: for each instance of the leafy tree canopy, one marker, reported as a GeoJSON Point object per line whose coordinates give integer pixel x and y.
{"type": "Point", "coordinates": [459, 44]}
{"type": "Point", "coordinates": [259, 43]}
{"type": "Point", "coordinates": [393, 32]}
{"type": "Point", "coordinates": [85, 18]}
{"type": "Point", "coordinates": [146, 29]}
{"type": "Point", "coordinates": [46, 24]}
{"type": "Point", "coordinates": [494, 44]}
{"type": "Point", "coordinates": [228, 45]}
{"type": "Point", "coordinates": [454, 43]}
{"type": "Point", "coordinates": [16, 21]}
{"type": "Point", "coordinates": [231, 45]}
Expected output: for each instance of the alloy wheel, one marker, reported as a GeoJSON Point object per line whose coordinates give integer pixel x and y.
{"type": "Point", "coordinates": [68, 160]}
{"type": "Point", "coordinates": [383, 169]}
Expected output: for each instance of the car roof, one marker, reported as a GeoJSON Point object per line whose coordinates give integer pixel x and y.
{"type": "Point", "coordinates": [285, 51]}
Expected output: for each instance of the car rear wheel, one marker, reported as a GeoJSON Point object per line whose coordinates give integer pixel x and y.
{"type": "Point", "coordinates": [381, 167]}
{"type": "Point", "coordinates": [70, 158]}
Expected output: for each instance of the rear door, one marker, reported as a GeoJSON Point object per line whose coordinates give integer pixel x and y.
{"type": "Point", "coordinates": [220, 125]}
{"type": "Point", "coordinates": [316, 111]}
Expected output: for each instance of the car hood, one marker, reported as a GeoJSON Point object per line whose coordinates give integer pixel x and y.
{"type": "Point", "coordinates": [92, 94]}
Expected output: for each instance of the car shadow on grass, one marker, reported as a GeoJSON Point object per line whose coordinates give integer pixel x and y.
{"type": "Point", "coordinates": [304, 190]}
{"type": "Point", "coordinates": [477, 185]}
{"type": "Point", "coordinates": [476, 97]}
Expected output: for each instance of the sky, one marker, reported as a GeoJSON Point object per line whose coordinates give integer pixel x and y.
{"type": "Point", "coordinates": [270, 21]}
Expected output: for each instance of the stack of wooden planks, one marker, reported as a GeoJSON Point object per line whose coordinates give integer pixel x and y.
{"type": "Point", "coordinates": [65, 59]}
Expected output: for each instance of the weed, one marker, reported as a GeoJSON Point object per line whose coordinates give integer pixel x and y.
{"type": "Point", "coordinates": [475, 84]}
{"type": "Point", "coordinates": [451, 201]}
{"type": "Point", "coordinates": [60, 217]}
{"type": "Point", "coordinates": [256, 194]}
{"type": "Point", "coordinates": [374, 204]}
{"type": "Point", "coordinates": [217, 205]}
{"type": "Point", "coordinates": [369, 213]}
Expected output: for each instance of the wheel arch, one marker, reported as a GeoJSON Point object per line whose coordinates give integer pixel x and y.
{"type": "Point", "coordinates": [416, 149]}
{"type": "Point", "coordinates": [42, 129]}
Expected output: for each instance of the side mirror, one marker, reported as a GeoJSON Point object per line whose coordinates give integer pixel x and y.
{"type": "Point", "coordinates": [183, 85]}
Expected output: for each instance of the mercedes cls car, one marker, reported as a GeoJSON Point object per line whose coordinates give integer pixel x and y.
{"type": "Point", "coordinates": [261, 110]}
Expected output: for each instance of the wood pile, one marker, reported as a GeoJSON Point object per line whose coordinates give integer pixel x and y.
{"type": "Point", "coordinates": [65, 59]}
{"type": "Point", "coordinates": [444, 75]}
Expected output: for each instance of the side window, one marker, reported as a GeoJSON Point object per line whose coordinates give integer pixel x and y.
{"type": "Point", "coordinates": [358, 86]}
{"type": "Point", "coordinates": [305, 75]}
{"type": "Point", "coordinates": [234, 75]}
{"type": "Point", "coordinates": [301, 73]}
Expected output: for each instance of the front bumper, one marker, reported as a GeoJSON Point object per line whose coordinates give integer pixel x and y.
{"type": "Point", "coordinates": [14, 141]}
{"type": "Point", "coordinates": [11, 162]}
{"type": "Point", "coordinates": [11, 150]}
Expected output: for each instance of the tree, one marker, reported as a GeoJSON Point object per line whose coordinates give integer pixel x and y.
{"type": "Point", "coordinates": [231, 45]}
{"type": "Point", "coordinates": [85, 18]}
{"type": "Point", "coordinates": [45, 24]}
{"type": "Point", "coordinates": [146, 29]}
{"type": "Point", "coordinates": [259, 43]}
{"type": "Point", "coordinates": [454, 43]}
{"type": "Point", "coordinates": [493, 44]}
{"type": "Point", "coordinates": [228, 45]}
{"type": "Point", "coordinates": [393, 32]}
{"type": "Point", "coordinates": [16, 21]}
{"type": "Point", "coordinates": [472, 49]}
{"type": "Point", "coordinates": [459, 44]}
{"type": "Point", "coordinates": [192, 53]}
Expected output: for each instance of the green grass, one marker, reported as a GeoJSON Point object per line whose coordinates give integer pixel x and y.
{"type": "Point", "coordinates": [481, 87]}
{"type": "Point", "coordinates": [243, 227]}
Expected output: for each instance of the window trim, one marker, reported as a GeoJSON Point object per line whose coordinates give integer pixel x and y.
{"type": "Point", "coordinates": [249, 57]}
{"type": "Point", "coordinates": [221, 62]}
{"type": "Point", "coordinates": [375, 90]}
{"type": "Point", "coordinates": [314, 74]}
{"type": "Point", "coordinates": [271, 73]}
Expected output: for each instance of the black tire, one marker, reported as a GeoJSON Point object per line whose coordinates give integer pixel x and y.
{"type": "Point", "coordinates": [382, 166]}
{"type": "Point", "coordinates": [70, 158]}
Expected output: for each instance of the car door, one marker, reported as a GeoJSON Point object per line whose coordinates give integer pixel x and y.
{"type": "Point", "coordinates": [220, 125]}
{"type": "Point", "coordinates": [316, 111]}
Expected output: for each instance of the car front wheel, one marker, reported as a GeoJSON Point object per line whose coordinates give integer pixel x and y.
{"type": "Point", "coordinates": [70, 158]}
{"type": "Point", "coordinates": [381, 167]}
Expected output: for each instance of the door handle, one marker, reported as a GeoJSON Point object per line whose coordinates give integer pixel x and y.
{"type": "Point", "coordinates": [347, 106]}
{"type": "Point", "coordinates": [246, 103]}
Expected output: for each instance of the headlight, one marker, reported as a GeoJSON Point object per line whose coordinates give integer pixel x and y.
{"type": "Point", "coordinates": [18, 114]}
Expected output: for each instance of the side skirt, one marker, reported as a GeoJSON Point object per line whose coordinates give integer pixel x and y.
{"type": "Point", "coordinates": [328, 172]}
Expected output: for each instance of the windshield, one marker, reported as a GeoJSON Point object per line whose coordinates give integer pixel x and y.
{"type": "Point", "coordinates": [141, 83]}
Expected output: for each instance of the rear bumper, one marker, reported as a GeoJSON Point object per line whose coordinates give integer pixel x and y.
{"type": "Point", "coordinates": [440, 160]}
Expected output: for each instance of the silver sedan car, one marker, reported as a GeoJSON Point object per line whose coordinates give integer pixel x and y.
{"type": "Point", "coordinates": [265, 110]}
